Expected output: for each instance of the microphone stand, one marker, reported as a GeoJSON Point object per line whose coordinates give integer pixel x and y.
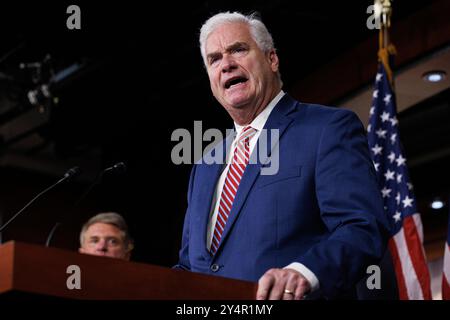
{"type": "Point", "coordinates": [58, 223]}
{"type": "Point", "coordinates": [120, 166]}
{"type": "Point", "coordinates": [69, 174]}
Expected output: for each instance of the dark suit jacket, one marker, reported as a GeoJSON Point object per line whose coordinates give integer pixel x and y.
{"type": "Point", "coordinates": [323, 208]}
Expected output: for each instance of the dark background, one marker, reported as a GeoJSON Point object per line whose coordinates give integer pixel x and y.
{"type": "Point", "coordinates": [141, 78]}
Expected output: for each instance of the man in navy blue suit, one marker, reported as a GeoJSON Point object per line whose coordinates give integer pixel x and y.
{"type": "Point", "coordinates": [313, 226]}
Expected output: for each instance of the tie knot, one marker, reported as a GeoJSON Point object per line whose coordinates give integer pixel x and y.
{"type": "Point", "coordinates": [247, 133]}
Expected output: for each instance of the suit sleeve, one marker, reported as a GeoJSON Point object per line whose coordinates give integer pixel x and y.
{"type": "Point", "coordinates": [351, 207]}
{"type": "Point", "coordinates": [183, 262]}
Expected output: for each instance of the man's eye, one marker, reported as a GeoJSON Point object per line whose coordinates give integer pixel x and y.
{"type": "Point", "coordinates": [213, 60]}
{"type": "Point", "coordinates": [239, 49]}
{"type": "Point", "coordinates": [114, 241]}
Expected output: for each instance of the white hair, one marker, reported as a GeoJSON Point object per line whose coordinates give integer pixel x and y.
{"type": "Point", "coordinates": [257, 28]}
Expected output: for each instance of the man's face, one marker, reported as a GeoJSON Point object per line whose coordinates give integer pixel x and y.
{"type": "Point", "coordinates": [103, 239]}
{"type": "Point", "coordinates": [241, 75]}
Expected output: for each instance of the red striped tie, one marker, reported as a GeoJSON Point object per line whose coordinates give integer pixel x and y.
{"type": "Point", "coordinates": [236, 170]}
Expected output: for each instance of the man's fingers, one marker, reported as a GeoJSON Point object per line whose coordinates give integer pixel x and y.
{"type": "Point", "coordinates": [264, 285]}
{"type": "Point", "coordinates": [303, 287]}
{"type": "Point", "coordinates": [282, 284]}
{"type": "Point", "coordinates": [288, 294]}
{"type": "Point", "coordinates": [277, 291]}
{"type": "Point", "coordinates": [299, 293]}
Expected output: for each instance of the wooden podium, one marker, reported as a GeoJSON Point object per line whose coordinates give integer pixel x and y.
{"type": "Point", "coordinates": [44, 272]}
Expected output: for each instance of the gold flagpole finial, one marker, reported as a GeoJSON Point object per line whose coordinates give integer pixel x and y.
{"type": "Point", "coordinates": [383, 11]}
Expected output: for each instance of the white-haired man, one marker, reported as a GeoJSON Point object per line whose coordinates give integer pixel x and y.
{"type": "Point", "coordinates": [315, 225]}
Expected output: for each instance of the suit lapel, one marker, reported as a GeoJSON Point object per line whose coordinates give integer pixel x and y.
{"type": "Point", "coordinates": [278, 119]}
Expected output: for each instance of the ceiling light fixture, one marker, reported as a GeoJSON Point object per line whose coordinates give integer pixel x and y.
{"type": "Point", "coordinates": [437, 204]}
{"type": "Point", "coordinates": [434, 76]}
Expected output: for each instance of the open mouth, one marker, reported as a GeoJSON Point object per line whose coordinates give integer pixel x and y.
{"type": "Point", "coordinates": [234, 81]}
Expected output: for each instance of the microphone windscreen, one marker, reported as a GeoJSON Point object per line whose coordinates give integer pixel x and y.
{"type": "Point", "coordinates": [120, 167]}
{"type": "Point", "coordinates": [72, 172]}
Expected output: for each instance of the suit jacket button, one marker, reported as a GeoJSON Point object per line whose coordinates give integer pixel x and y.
{"type": "Point", "coordinates": [215, 267]}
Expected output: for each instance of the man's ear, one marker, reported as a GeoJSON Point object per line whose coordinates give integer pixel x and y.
{"type": "Point", "coordinates": [128, 253]}
{"type": "Point", "coordinates": [81, 250]}
{"type": "Point", "coordinates": [273, 60]}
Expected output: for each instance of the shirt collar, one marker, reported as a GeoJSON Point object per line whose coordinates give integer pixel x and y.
{"type": "Point", "coordinates": [260, 120]}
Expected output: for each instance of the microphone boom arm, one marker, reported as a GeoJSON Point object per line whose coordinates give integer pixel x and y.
{"type": "Point", "coordinates": [69, 174]}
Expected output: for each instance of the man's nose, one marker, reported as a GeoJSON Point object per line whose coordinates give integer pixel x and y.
{"type": "Point", "coordinates": [228, 63]}
{"type": "Point", "coordinates": [102, 245]}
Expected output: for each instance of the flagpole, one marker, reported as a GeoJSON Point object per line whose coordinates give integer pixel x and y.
{"type": "Point", "coordinates": [383, 14]}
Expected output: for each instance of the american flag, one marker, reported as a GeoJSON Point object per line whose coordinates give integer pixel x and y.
{"type": "Point", "coordinates": [406, 242]}
{"type": "Point", "coordinates": [446, 269]}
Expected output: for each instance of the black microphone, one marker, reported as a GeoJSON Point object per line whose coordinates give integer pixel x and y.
{"type": "Point", "coordinates": [72, 172]}
{"type": "Point", "coordinates": [119, 167]}
{"type": "Point", "coordinates": [67, 176]}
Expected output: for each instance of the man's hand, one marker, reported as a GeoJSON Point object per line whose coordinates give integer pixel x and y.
{"type": "Point", "coordinates": [282, 284]}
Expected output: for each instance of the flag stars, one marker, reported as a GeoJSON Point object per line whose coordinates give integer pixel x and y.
{"type": "Point", "coordinates": [381, 133]}
{"type": "Point", "coordinates": [407, 202]}
{"type": "Point", "coordinates": [376, 165]}
{"type": "Point", "coordinates": [389, 175]}
{"type": "Point", "coordinates": [391, 156]}
{"type": "Point", "coordinates": [393, 137]}
{"type": "Point", "coordinates": [393, 121]}
{"type": "Point", "coordinates": [385, 116]}
{"type": "Point", "coordinates": [378, 77]}
{"type": "Point", "coordinates": [397, 198]}
{"type": "Point", "coordinates": [375, 94]}
{"type": "Point", "coordinates": [400, 161]}
{"type": "Point", "coordinates": [377, 149]}
{"type": "Point", "coordinates": [386, 192]}
{"type": "Point", "coordinates": [385, 151]}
